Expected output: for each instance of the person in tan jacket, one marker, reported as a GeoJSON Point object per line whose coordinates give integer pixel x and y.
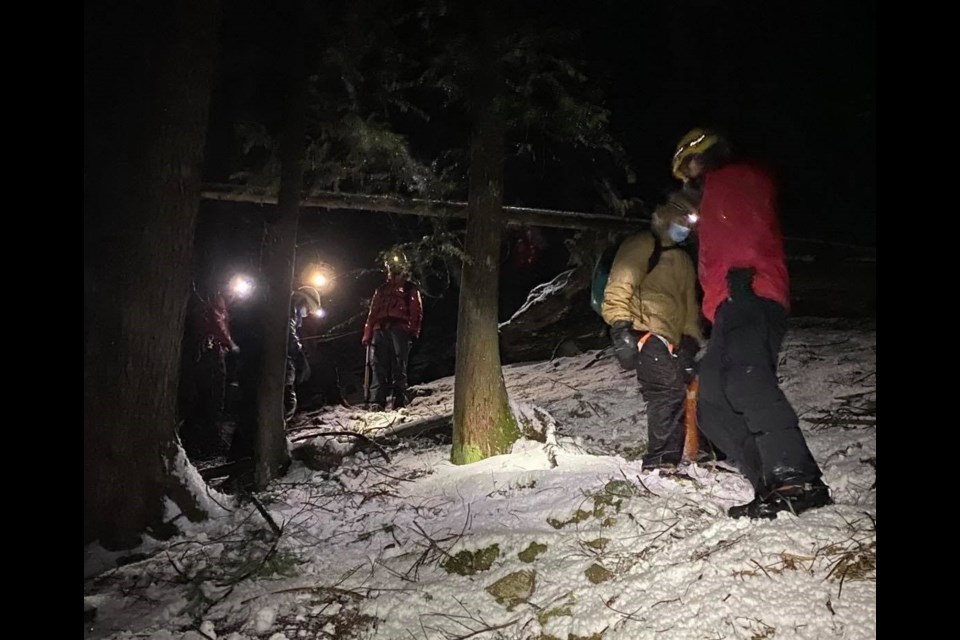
{"type": "Point", "coordinates": [650, 303]}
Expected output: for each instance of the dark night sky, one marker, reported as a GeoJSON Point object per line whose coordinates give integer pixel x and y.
{"type": "Point", "coordinates": [793, 83]}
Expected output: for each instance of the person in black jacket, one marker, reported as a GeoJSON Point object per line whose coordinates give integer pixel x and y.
{"type": "Point", "coordinates": [303, 302]}
{"type": "Point", "coordinates": [249, 332]}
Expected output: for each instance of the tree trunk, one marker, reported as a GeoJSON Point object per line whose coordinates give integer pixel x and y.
{"type": "Point", "coordinates": [272, 453]}
{"type": "Point", "coordinates": [483, 424]}
{"type": "Point", "coordinates": [147, 73]}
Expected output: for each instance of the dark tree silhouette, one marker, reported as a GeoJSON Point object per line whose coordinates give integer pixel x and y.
{"type": "Point", "coordinates": [147, 79]}
{"type": "Point", "coordinates": [279, 255]}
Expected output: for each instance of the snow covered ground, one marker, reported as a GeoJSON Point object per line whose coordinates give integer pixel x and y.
{"type": "Point", "coordinates": [564, 539]}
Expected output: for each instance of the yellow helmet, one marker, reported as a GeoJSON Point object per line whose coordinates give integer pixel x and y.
{"type": "Point", "coordinates": [396, 262]}
{"type": "Point", "coordinates": [309, 297]}
{"type": "Point", "coordinates": [694, 142]}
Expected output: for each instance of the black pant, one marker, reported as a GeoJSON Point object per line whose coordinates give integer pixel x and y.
{"type": "Point", "coordinates": [202, 385]}
{"type": "Point", "coordinates": [741, 407]}
{"type": "Point", "coordinates": [289, 390]}
{"type": "Point", "coordinates": [664, 390]}
{"type": "Point", "coordinates": [391, 350]}
{"type": "Point", "coordinates": [248, 406]}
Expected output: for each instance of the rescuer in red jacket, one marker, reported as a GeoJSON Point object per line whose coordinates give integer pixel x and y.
{"type": "Point", "coordinates": [396, 313]}
{"type": "Point", "coordinates": [206, 341]}
{"type": "Point", "coordinates": [743, 273]}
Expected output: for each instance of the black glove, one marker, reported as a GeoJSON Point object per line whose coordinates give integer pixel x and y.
{"type": "Point", "coordinates": [625, 340]}
{"type": "Point", "coordinates": [740, 284]}
{"type": "Point", "coordinates": [687, 356]}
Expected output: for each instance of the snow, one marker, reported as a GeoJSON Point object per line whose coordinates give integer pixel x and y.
{"type": "Point", "coordinates": [210, 500]}
{"type": "Point", "coordinates": [542, 292]}
{"type": "Point", "coordinates": [627, 553]}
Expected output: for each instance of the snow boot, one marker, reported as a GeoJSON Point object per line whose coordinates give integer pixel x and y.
{"type": "Point", "coordinates": [665, 461]}
{"type": "Point", "coordinates": [795, 498]}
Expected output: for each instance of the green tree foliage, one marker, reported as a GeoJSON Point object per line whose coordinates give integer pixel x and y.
{"type": "Point", "coordinates": [359, 81]}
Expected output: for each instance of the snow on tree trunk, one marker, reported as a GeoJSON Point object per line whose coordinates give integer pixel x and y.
{"type": "Point", "coordinates": [148, 73]}
{"type": "Point", "coordinates": [483, 424]}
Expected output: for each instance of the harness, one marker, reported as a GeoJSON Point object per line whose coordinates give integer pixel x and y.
{"type": "Point", "coordinates": [658, 250]}
{"type": "Point", "coordinates": [646, 336]}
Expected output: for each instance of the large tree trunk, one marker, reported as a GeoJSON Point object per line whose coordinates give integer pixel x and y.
{"type": "Point", "coordinates": [147, 79]}
{"type": "Point", "coordinates": [483, 424]}
{"type": "Point", "coordinates": [272, 452]}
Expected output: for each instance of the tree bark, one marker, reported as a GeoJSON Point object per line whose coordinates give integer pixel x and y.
{"type": "Point", "coordinates": [148, 69]}
{"type": "Point", "coordinates": [272, 452]}
{"type": "Point", "coordinates": [483, 424]}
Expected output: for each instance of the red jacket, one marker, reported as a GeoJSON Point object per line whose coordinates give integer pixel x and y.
{"type": "Point", "coordinates": [739, 227]}
{"type": "Point", "coordinates": [209, 320]}
{"type": "Point", "coordinates": [396, 303]}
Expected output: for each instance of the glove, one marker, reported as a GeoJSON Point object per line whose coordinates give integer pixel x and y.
{"type": "Point", "coordinates": [625, 340]}
{"type": "Point", "coordinates": [687, 356]}
{"type": "Point", "coordinates": [740, 284]}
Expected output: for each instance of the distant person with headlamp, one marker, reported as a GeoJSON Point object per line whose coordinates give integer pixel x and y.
{"type": "Point", "coordinates": [305, 301]}
{"type": "Point", "coordinates": [393, 323]}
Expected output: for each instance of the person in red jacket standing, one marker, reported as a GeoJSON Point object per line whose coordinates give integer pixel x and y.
{"type": "Point", "coordinates": [206, 341]}
{"type": "Point", "coordinates": [396, 313]}
{"type": "Point", "coordinates": [746, 296]}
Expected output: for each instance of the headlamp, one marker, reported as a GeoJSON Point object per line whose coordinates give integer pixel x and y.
{"type": "Point", "coordinates": [241, 286]}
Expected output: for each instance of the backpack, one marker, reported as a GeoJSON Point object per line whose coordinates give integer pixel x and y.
{"type": "Point", "coordinates": [601, 270]}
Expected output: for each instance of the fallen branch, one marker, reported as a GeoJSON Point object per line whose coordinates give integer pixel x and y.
{"type": "Point", "coordinates": [228, 469]}
{"type": "Point", "coordinates": [277, 531]}
{"type": "Point", "coordinates": [353, 434]}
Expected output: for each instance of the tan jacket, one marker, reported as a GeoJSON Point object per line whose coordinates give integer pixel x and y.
{"type": "Point", "coordinates": [664, 301]}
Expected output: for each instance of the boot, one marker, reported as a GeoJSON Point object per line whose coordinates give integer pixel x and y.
{"type": "Point", "coordinates": [795, 498]}
{"type": "Point", "coordinates": [666, 461]}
